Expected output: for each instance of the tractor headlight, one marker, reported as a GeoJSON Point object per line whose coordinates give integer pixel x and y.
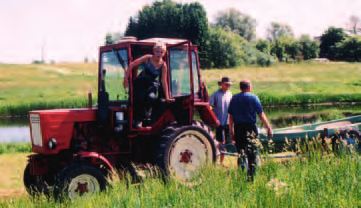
{"type": "Point", "coordinates": [52, 143]}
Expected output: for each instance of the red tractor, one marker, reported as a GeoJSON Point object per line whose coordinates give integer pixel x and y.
{"type": "Point", "coordinates": [75, 149]}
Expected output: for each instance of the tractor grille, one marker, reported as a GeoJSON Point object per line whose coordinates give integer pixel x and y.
{"type": "Point", "coordinates": [36, 130]}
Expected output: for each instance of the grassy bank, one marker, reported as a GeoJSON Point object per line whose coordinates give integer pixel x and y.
{"type": "Point", "coordinates": [15, 147]}
{"type": "Point", "coordinates": [315, 181]}
{"type": "Point", "coordinates": [31, 87]}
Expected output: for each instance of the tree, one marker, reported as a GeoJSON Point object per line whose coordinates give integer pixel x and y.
{"type": "Point", "coordinates": [167, 19]}
{"type": "Point", "coordinates": [277, 30]}
{"type": "Point", "coordinates": [349, 49]}
{"type": "Point", "coordinates": [111, 38]}
{"type": "Point", "coordinates": [292, 48]}
{"type": "Point", "coordinates": [263, 46]}
{"type": "Point", "coordinates": [224, 48]}
{"type": "Point", "coordinates": [108, 39]}
{"type": "Point", "coordinates": [329, 39]}
{"type": "Point", "coordinates": [309, 48]}
{"type": "Point", "coordinates": [239, 23]}
{"type": "Point", "coordinates": [285, 47]}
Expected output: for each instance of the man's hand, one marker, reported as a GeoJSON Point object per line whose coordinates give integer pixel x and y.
{"type": "Point", "coordinates": [167, 100]}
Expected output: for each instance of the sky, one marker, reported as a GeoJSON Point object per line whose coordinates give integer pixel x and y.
{"type": "Point", "coordinates": [70, 30]}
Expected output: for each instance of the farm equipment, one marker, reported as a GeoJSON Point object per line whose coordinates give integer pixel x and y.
{"type": "Point", "coordinates": [76, 149]}
{"type": "Point", "coordinates": [340, 133]}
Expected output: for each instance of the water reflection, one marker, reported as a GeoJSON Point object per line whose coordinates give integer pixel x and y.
{"type": "Point", "coordinates": [14, 129]}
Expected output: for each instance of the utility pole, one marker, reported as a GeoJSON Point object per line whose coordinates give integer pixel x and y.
{"type": "Point", "coordinates": [43, 52]}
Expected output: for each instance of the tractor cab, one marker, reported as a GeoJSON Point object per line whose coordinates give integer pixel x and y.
{"type": "Point", "coordinates": [116, 104]}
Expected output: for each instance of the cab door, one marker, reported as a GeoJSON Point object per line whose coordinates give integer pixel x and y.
{"type": "Point", "coordinates": [180, 85]}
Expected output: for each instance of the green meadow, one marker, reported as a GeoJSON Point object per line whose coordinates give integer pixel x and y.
{"type": "Point", "coordinates": [315, 180]}
{"type": "Point", "coordinates": [45, 86]}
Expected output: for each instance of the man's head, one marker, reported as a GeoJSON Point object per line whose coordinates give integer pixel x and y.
{"type": "Point", "coordinates": [225, 83]}
{"type": "Point", "coordinates": [245, 86]}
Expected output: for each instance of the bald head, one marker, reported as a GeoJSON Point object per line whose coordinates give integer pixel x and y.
{"type": "Point", "coordinates": [245, 85]}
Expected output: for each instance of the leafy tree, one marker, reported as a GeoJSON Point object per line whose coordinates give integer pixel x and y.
{"type": "Point", "coordinates": [167, 19]}
{"type": "Point", "coordinates": [112, 38]}
{"type": "Point", "coordinates": [292, 48]}
{"type": "Point", "coordinates": [108, 39]}
{"type": "Point", "coordinates": [227, 49]}
{"type": "Point", "coordinates": [224, 48]}
{"type": "Point", "coordinates": [349, 49]}
{"type": "Point", "coordinates": [277, 30]}
{"type": "Point", "coordinates": [263, 45]}
{"type": "Point", "coordinates": [309, 48]}
{"type": "Point", "coordinates": [239, 23]}
{"type": "Point", "coordinates": [329, 39]}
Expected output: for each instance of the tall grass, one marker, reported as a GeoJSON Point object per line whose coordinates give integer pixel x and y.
{"type": "Point", "coordinates": [22, 109]}
{"type": "Point", "coordinates": [316, 179]}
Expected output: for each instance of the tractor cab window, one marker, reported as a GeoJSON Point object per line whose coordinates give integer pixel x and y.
{"type": "Point", "coordinates": [179, 72]}
{"type": "Point", "coordinates": [195, 73]}
{"type": "Point", "coordinates": [114, 63]}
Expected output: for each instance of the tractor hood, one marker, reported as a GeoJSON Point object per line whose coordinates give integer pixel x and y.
{"type": "Point", "coordinates": [56, 126]}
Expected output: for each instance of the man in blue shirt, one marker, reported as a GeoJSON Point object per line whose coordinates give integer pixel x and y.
{"type": "Point", "coordinates": [243, 110]}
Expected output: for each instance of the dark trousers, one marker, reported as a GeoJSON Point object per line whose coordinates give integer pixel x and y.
{"type": "Point", "coordinates": [145, 96]}
{"type": "Point", "coordinates": [222, 134]}
{"type": "Point", "coordinates": [243, 134]}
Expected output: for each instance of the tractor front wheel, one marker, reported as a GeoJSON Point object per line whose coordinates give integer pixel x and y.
{"type": "Point", "coordinates": [183, 152]}
{"type": "Point", "coordinates": [81, 179]}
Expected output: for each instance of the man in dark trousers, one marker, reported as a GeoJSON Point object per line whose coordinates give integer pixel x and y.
{"type": "Point", "coordinates": [220, 101]}
{"type": "Point", "coordinates": [243, 110]}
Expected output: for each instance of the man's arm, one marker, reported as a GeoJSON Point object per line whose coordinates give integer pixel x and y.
{"type": "Point", "coordinates": [265, 122]}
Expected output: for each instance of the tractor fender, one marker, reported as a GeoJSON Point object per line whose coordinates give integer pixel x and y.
{"type": "Point", "coordinates": [97, 158]}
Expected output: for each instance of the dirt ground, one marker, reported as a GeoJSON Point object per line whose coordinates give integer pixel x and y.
{"type": "Point", "coordinates": [11, 179]}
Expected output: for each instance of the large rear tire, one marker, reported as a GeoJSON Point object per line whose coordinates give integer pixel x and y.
{"type": "Point", "coordinates": [183, 152]}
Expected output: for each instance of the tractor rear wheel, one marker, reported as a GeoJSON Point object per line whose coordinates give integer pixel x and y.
{"type": "Point", "coordinates": [184, 151]}
{"type": "Point", "coordinates": [80, 179]}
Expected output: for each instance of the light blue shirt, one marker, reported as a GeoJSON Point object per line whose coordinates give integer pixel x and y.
{"type": "Point", "coordinates": [220, 102]}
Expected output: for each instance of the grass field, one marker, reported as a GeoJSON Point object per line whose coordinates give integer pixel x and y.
{"type": "Point", "coordinates": [29, 87]}
{"type": "Point", "coordinates": [314, 181]}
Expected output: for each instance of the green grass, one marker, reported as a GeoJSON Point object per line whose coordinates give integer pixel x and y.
{"type": "Point", "coordinates": [15, 147]}
{"type": "Point", "coordinates": [314, 181]}
{"type": "Point", "coordinates": [31, 87]}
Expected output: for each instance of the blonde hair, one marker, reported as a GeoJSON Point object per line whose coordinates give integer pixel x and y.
{"type": "Point", "coordinates": [159, 44]}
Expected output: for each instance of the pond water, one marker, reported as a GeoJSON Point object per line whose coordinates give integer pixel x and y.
{"type": "Point", "coordinates": [17, 130]}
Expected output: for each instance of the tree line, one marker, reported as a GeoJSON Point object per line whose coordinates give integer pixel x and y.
{"type": "Point", "coordinates": [230, 40]}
